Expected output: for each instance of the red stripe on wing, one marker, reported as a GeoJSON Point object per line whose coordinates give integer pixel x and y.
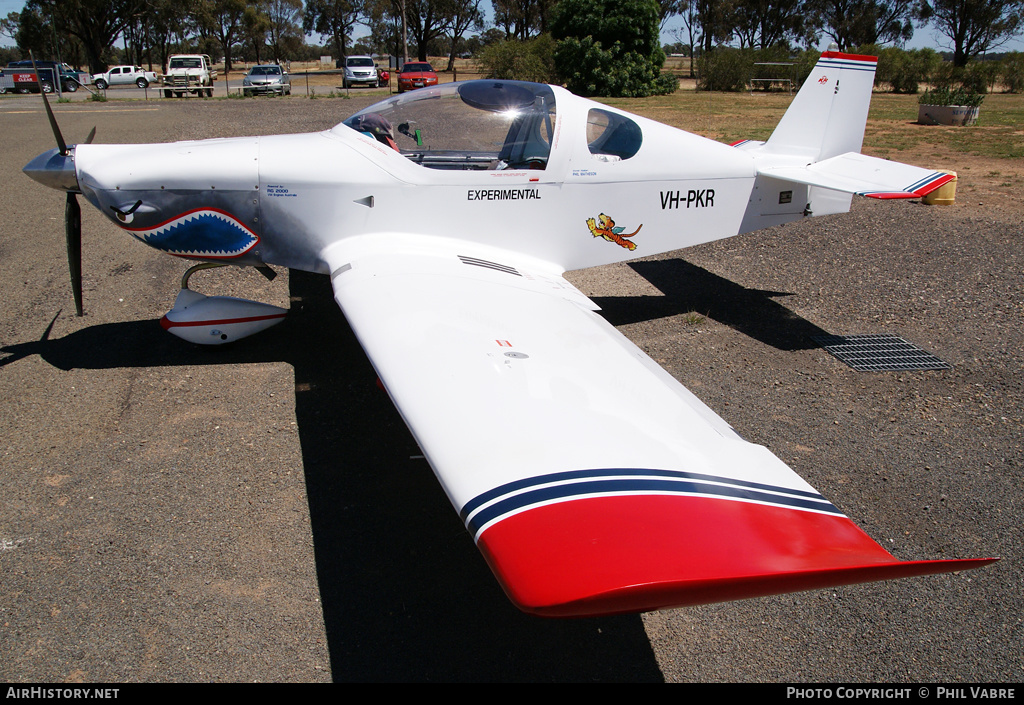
{"type": "Point", "coordinates": [636, 553]}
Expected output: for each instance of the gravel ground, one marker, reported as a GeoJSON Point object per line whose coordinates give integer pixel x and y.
{"type": "Point", "coordinates": [258, 513]}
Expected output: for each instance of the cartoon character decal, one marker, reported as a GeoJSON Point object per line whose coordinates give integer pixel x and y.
{"type": "Point", "coordinates": [605, 227]}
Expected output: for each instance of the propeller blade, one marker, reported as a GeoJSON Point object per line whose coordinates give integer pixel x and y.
{"type": "Point", "coordinates": [61, 144]}
{"type": "Point", "coordinates": [41, 169]}
{"type": "Point", "coordinates": [73, 232]}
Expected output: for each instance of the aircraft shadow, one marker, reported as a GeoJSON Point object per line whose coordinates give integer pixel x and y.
{"type": "Point", "coordinates": [687, 287]}
{"type": "Point", "coordinates": [405, 594]}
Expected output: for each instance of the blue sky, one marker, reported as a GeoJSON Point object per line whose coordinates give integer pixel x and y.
{"type": "Point", "coordinates": [923, 37]}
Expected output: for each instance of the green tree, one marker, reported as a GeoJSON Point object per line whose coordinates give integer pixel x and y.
{"type": "Point", "coordinates": [170, 26]}
{"type": "Point", "coordinates": [426, 20]}
{"type": "Point", "coordinates": [9, 25]}
{"type": "Point", "coordinates": [713, 21]}
{"type": "Point", "coordinates": [761, 24]}
{"type": "Point", "coordinates": [973, 26]}
{"type": "Point", "coordinates": [223, 19]}
{"type": "Point", "coordinates": [610, 48]}
{"type": "Point", "coordinates": [30, 31]}
{"type": "Point", "coordinates": [463, 15]}
{"type": "Point", "coordinates": [334, 19]}
{"type": "Point", "coordinates": [96, 23]}
{"type": "Point", "coordinates": [670, 8]}
{"type": "Point", "coordinates": [522, 19]}
{"type": "Point", "coordinates": [852, 23]}
{"type": "Point", "coordinates": [520, 60]}
{"type": "Point", "coordinates": [384, 18]}
{"type": "Point", "coordinates": [255, 26]}
{"type": "Point", "coordinates": [284, 27]}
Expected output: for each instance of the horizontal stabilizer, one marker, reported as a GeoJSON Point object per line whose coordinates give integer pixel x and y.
{"type": "Point", "coordinates": [864, 176]}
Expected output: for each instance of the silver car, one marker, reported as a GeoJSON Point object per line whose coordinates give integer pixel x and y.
{"type": "Point", "coordinates": [267, 78]}
{"type": "Point", "coordinates": [360, 71]}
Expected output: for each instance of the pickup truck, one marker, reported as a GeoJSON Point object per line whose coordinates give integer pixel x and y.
{"type": "Point", "coordinates": [124, 75]}
{"type": "Point", "coordinates": [25, 78]}
{"type": "Point", "coordinates": [189, 73]}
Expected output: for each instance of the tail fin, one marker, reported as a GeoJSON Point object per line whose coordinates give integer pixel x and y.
{"type": "Point", "coordinates": [811, 165]}
{"type": "Point", "coordinates": [828, 115]}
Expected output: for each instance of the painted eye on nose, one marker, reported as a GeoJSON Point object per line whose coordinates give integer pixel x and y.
{"type": "Point", "coordinates": [126, 216]}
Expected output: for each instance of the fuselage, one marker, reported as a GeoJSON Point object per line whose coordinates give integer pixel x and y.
{"type": "Point", "coordinates": [282, 200]}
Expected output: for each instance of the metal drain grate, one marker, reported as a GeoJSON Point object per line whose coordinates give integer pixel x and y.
{"type": "Point", "coordinates": [879, 353]}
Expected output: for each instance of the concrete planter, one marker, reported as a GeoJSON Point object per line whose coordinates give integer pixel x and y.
{"type": "Point", "coordinates": [947, 114]}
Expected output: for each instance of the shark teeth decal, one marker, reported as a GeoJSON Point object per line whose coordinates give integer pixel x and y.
{"type": "Point", "coordinates": [205, 233]}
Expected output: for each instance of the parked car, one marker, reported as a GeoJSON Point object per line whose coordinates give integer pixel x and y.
{"type": "Point", "coordinates": [416, 74]}
{"type": "Point", "coordinates": [267, 79]}
{"type": "Point", "coordinates": [124, 76]}
{"type": "Point", "coordinates": [69, 78]}
{"type": "Point", "coordinates": [360, 70]}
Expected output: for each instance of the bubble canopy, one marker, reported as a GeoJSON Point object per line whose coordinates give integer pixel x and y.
{"type": "Point", "coordinates": [471, 125]}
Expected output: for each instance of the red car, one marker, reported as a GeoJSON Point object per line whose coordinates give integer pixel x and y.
{"type": "Point", "coordinates": [416, 75]}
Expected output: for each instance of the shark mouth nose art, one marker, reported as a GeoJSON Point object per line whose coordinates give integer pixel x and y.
{"type": "Point", "coordinates": [204, 232]}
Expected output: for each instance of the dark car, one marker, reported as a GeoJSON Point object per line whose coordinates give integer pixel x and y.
{"type": "Point", "coordinates": [69, 78]}
{"type": "Point", "coordinates": [416, 74]}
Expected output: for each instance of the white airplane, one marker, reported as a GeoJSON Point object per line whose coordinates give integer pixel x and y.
{"type": "Point", "coordinates": [590, 479]}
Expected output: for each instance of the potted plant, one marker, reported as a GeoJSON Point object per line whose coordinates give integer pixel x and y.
{"type": "Point", "coordinates": [948, 106]}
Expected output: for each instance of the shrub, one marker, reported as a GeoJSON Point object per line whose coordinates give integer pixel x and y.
{"type": "Point", "coordinates": [515, 60]}
{"type": "Point", "coordinates": [725, 69]}
{"type": "Point", "coordinates": [951, 96]}
{"type": "Point", "coordinates": [979, 76]}
{"type": "Point", "coordinates": [772, 63]}
{"type": "Point", "coordinates": [589, 69]}
{"type": "Point", "coordinates": [1012, 72]}
{"type": "Point", "coordinates": [805, 62]}
{"type": "Point", "coordinates": [904, 71]}
{"type": "Point", "coordinates": [610, 48]}
{"type": "Point", "coordinates": [666, 83]}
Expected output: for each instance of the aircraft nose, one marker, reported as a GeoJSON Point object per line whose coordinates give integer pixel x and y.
{"type": "Point", "coordinates": [55, 170]}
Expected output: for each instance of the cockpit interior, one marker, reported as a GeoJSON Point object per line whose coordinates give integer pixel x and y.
{"type": "Point", "coordinates": [472, 125]}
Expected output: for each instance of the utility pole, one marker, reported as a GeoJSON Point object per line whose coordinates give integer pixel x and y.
{"type": "Point", "coordinates": [405, 35]}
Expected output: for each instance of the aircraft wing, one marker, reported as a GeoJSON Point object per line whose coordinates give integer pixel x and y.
{"type": "Point", "coordinates": [590, 479]}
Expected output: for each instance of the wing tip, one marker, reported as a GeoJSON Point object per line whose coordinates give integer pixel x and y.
{"type": "Point", "coordinates": [934, 181]}
{"type": "Point", "coordinates": [629, 553]}
{"type": "Point", "coordinates": [690, 593]}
